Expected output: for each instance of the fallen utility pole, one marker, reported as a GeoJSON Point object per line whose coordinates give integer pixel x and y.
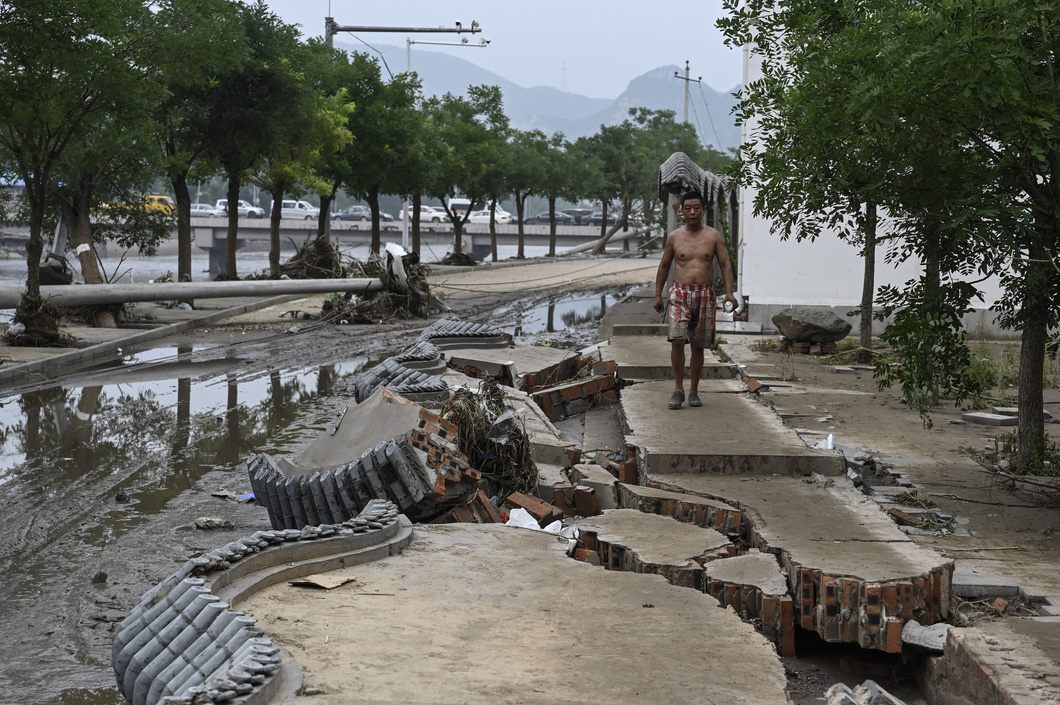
{"type": "Point", "coordinates": [110, 294]}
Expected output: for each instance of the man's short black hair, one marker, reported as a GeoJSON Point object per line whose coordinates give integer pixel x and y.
{"type": "Point", "coordinates": [690, 195]}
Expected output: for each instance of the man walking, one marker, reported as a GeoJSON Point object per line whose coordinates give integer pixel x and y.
{"type": "Point", "coordinates": [691, 249]}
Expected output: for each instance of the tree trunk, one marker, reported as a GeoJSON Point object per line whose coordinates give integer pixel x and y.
{"type": "Point", "coordinates": [931, 294]}
{"type": "Point", "coordinates": [183, 194]}
{"type": "Point", "coordinates": [520, 208]}
{"type": "Point", "coordinates": [493, 228]}
{"type": "Point", "coordinates": [35, 246]}
{"type": "Point", "coordinates": [868, 290]}
{"type": "Point", "coordinates": [1031, 427]}
{"type": "Point", "coordinates": [458, 236]}
{"type": "Point", "coordinates": [231, 240]}
{"type": "Point", "coordinates": [373, 203]}
{"type": "Point", "coordinates": [324, 219]}
{"type": "Point", "coordinates": [551, 226]}
{"type": "Point", "coordinates": [275, 214]}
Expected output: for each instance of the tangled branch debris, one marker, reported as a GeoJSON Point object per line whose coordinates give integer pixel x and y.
{"type": "Point", "coordinates": [492, 436]}
{"type": "Point", "coordinates": [35, 325]}
{"type": "Point", "coordinates": [317, 258]}
{"type": "Point", "coordinates": [392, 304]}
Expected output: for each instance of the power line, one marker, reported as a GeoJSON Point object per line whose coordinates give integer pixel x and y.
{"type": "Point", "coordinates": [717, 140]}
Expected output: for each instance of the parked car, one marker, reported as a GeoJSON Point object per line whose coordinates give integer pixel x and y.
{"type": "Point", "coordinates": [597, 219]}
{"type": "Point", "coordinates": [205, 210]}
{"type": "Point", "coordinates": [561, 219]}
{"type": "Point", "coordinates": [578, 214]}
{"type": "Point", "coordinates": [245, 209]}
{"type": "Point", "coordinates": [298, 210]}
{"type": "Point", "coordinates": [353, 213]}
{"type": "Point", "coordinates": [427, 214]}
{"type": "Point", "coordinates": [502, 217]}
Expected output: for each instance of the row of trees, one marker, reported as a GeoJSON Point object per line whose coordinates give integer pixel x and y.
{"type": "Point", "coordinates": [100, 98]}
{"type": "Point", "coordinates": [945, 118]}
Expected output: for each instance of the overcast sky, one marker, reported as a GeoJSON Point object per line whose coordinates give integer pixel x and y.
{"type": "Point", "coordinates": [589, 47]}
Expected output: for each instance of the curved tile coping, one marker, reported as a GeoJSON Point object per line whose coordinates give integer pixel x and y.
{"type": "Point", "coordinates": [184, 642]}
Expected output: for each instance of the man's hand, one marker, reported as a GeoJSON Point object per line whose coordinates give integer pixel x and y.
{"type": "Point", "coordinates": [731, 297]}
{"type": "Point", "coordinates": [658, 305]}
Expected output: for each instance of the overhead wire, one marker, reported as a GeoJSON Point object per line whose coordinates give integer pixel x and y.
{"type": "Point", "coordinates": [703, 96]}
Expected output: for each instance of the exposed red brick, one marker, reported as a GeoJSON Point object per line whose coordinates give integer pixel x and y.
{"type": "Point", "coordinates": [753, 385]}
{"type": "Point", "coordinates": [893, 636]}
{"type": "Point", "coordinates": [903, 518]}
{"type": "Point", "coordinates": [585, 502]}
{"type": "Point", "coordinates": [541, 510]}
{"type": "Point", "coordinates": [1000, 605]}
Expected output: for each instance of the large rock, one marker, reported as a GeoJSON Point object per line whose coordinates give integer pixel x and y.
{"type": "Point", "coordinates": [817, 325]}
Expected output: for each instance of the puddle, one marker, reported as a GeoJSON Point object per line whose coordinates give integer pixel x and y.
{"type": "Point", "coordinates": [144, 429]}
{"type": "Point", "coordinates": [558, 315]}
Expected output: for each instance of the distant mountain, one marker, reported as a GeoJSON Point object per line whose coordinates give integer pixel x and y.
{"type": "Point", "coordinates": [551, 110]}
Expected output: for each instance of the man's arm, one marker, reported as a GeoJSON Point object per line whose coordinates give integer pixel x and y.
{"type": "Point", "coordinates": [664, 272]}
{"type": "Point", "coordinates": [726, 267]}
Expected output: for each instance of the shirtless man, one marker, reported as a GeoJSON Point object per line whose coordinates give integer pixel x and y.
{"type": "Point", "coordinates": [691, 249]}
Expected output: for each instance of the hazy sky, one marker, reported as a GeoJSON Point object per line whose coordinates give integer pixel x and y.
{"type": "Point", "coordinates": [587, 47]}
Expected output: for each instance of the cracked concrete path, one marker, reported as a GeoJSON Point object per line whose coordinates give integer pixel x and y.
{"type": "Point", "coordinates": [491, 614]}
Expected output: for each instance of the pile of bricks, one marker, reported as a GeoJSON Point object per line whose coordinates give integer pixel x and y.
{"type": "Point", "coordinates": [625, 471]}
{"type": "Point", "coordinates": [552, 375]}
{"type": "Point", "coordinates": [576, 397]}
{"type": "Point", "coordinates": [477, 510]}
{"type": "Point", "coordinates": [544, 512]}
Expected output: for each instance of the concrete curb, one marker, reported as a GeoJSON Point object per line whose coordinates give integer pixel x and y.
{"type": "Point", "coordinates": [184, 642]}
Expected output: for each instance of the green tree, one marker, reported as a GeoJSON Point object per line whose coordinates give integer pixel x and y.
{"type": "Point", "coordinates": [62, 64]}
{"type": "Point", "coordinates": [250, 104]}
{"type": "Point", "coordinates": [964, 93]}
{"type": "Point", "coordinates": [213, 41]}
{"type": "Point", "coordinates": [466, 130]}
{"type": "Point", "coordinates": [524, 173]}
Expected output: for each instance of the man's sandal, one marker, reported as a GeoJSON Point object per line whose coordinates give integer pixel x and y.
{"type": "Point", "coordinates": [694, 400]}
{"type": "Point", "coordinates": [676, 400]}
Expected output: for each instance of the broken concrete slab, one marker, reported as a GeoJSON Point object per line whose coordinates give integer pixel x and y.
{"type": "Point", "coordinates": [648, 358]}
{"type": "Point", "coordinates": [440, 609]}
{"type": "Point", "coordinates": [855, 575]}
{"type": "Point", "coordinates": [684, 507]}
{"type": "Point", "coordinates": [527, 367]}
{"type": "Point", "coordinates": [730, 435]}
{"type": "Point", "coordinates": [632, 541]}
{"type": "Point", "coordinates": [603, 483]}
{"type": "Point", "coordinates": [987, 419]}
{"type": "Point", "coordinates": [931, 638]}
{"type": "Point", "coordinates": [1010, 661]}
{"type": "Point", "coordinates": [758, 570]}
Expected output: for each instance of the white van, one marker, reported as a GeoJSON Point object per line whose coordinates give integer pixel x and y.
{"type": "Point", "coordinates": [459, 206]}
{"type": "Point", "coordinates": [299, 210]}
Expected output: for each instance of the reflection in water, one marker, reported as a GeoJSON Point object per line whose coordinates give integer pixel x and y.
{"type": "Point", "coordinates": [572, 310]}
{"type": "Point", "coordinates": [68, 453]}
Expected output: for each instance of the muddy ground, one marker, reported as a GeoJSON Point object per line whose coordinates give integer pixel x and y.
{"type": "Point", "coordinates": [82, 544]}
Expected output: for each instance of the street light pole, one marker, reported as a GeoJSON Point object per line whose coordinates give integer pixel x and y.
{"type": "Point", "coordinates": [688, 81]}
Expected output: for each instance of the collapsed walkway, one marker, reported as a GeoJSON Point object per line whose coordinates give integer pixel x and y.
{"type": "Point", "coordinates": [722, 499]}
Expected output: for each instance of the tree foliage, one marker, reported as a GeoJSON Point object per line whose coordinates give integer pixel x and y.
{"type": "Point", "coordinates": [945, 115]}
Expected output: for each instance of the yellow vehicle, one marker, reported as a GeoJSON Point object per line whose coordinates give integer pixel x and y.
{"type": "Point", "coordinates": [159, 203]}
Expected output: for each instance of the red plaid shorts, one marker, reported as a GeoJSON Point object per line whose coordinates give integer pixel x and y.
{"type": "Point", "coordinates": [691, 314]}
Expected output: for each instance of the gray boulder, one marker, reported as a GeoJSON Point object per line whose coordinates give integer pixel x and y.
{"type": "Point", "coordinates": [816, 325]}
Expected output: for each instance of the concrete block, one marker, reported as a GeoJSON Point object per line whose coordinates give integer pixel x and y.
{"type": "Point", "coordinates": [987, 419]}
{"type": "Point", "coordinates": [932, 638]}
{"type": "Point", "coordinates": [969, 583]}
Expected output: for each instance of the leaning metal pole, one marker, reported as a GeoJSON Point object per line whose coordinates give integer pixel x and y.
{"type": "Point", "coordinates": [109, 294]}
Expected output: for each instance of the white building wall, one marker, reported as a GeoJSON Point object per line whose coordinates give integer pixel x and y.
{"type": "Point", "coordinates": [775, 274]}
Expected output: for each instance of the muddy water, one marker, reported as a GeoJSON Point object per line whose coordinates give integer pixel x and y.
{"type": "Point", "coordinates": [101, 477]}
{"type": "Point", "coordinates": [557, 315]}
